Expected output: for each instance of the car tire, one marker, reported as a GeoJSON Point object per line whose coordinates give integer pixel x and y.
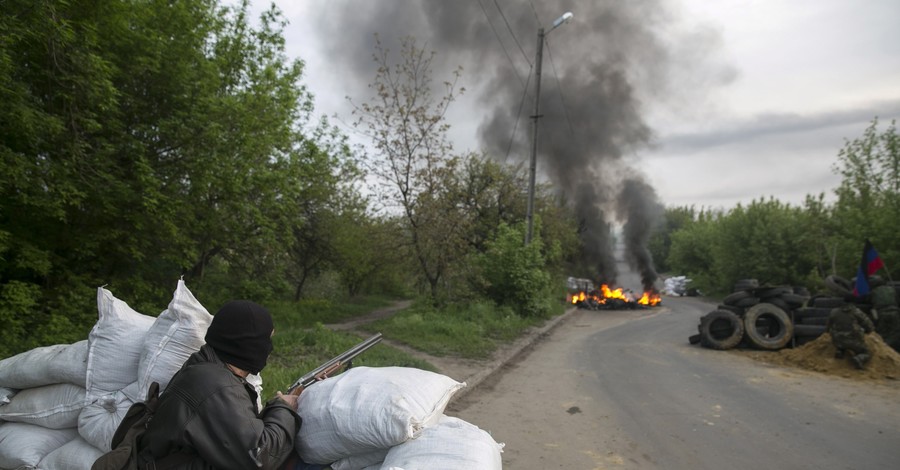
{"type": "Point", "coordinates": [768, 327]}
{"type": "Point", "coordinates": [721, 329]}
{"type": "Point", "coordinates": [735, 297]}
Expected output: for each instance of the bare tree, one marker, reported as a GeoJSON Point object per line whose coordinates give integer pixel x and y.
{"type": "Point", "coordinates": [412, 156]}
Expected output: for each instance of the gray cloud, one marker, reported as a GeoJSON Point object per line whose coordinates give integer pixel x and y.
{"type": "Point", "coordinates": [775, 124]}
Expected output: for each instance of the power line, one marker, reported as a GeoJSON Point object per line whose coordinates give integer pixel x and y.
{"type": "Point", "coordinates": [512, 33]}
{"type": "Point", "coordinates": [502, 46]}
{"type": "Point", "coordinates": [562, 98]}
{"type": "Point", "coordinates": [535, 14]}
{"type": "Point", "coordinates": [518, 116]}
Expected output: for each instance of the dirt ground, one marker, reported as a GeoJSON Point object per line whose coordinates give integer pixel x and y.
{"type": "Point", "coordinates": [818, 356]}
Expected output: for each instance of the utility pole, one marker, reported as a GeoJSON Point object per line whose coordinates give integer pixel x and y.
{"type": "Point", "coordinates": [532, 169]}
{"type": "Point", "coordinates": [529, 215]}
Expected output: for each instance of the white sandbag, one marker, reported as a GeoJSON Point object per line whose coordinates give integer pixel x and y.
{"type": "Point", "coordinates": [23, 445]}
{"type": "Point", "coordinates": [451, 444]}
{"type": "Point", "coordinates": [367, 409]}
{"type": "Point", "coordinates": [77, 454]}
{"type": "Point", "coordinates": [51, 406]}
{"type": "Point", "coordinates": [114, 346]}
{"type": "Point", "coordinates": [355, 462]}
{"type": "Point", "coordinates": [60, 363]}
{"type": "Point", "coordinates": [176, 333]}
{"type": "Point", "coordinates": [99, 419]}
{"type": "Point", "coordinates": [6, 394]}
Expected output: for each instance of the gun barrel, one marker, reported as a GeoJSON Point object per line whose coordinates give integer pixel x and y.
{"type": "Point", "coordinates": [339, 361]}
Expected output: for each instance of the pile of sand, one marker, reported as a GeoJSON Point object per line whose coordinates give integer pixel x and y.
{"type": "Point", "coordinates": [818, 355]}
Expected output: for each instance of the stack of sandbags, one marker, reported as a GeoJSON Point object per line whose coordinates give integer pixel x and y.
{"type": "Point", "coordinates": [43, 394]}
{"type": "Point", "coordinates": [676, 285]}
{"type": "Point", "coordinates": [389, 417]}
{"type": "Point", "coordinates": [83, 390]}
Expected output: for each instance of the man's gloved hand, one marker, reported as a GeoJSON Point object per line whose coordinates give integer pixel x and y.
{"type": "Point", "coordinates": [291, 400]}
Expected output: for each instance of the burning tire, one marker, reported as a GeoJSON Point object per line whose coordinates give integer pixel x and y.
{"type": "Point", "coordinates": [721, 329]}
{"type": "Point", "coordinates": [768, 327]}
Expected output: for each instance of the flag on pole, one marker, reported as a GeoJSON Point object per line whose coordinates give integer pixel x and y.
{"type": "Point", "coordinates": [870, 263]}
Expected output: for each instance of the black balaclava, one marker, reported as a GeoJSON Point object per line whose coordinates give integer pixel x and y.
{"type": "Point", "coordinates": [241, 335]}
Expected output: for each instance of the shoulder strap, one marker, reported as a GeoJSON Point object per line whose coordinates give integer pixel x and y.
{"type": "Point", "coordinates": [137, 415]}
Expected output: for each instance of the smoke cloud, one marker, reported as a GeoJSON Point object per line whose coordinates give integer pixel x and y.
{"type": "Point", "coordinates": [598, 74]}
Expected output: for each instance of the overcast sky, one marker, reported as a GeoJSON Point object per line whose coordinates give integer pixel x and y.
{"type": "Point", "coordinates": [741, 99]}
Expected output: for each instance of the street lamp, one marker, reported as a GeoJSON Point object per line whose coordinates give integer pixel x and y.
{"type": "Point", "coordinates": [529, 216]}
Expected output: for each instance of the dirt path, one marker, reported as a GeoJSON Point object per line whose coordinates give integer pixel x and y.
{"type": "Point", "coordinates": [471, 371]}
{"type": "Point", "coordinates": [379, 314]}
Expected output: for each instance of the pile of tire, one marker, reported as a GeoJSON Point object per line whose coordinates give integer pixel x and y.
{"type": "Point", "coordinates": [752, 315]}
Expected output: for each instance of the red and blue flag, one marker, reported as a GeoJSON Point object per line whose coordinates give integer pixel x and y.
{"type": "Point", "coordinates": [870, 263]}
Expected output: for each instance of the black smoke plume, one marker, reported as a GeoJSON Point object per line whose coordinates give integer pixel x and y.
{"type": "Point", "coordinates": [598, 73]}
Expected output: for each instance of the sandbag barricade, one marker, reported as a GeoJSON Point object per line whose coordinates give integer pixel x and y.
{"type": "Point", "coordinates": [61, 404]}
{"type": "Point", "coordinates": [389, 417]}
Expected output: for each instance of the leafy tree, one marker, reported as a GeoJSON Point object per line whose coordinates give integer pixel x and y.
{"type": "Point", "coordinates": [868, 204]}
{"type": "Point", "coordinates": [675, 219]}
{"type": "Point", "coordinates": [412, 158]}
{"type": "Point", "coordinates": [763, 241]}
{"type": "Point", "coordinates": [515, 275]}
{"type": "Point", "coordinates": [143, 140]}
{"type": "Point", "coordinates": [693, 251]}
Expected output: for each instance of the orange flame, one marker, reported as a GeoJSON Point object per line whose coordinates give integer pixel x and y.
{"type": "Point", "coordinates": [649, 298]}
{"type": "Point", "coordinates": [612, 294]}
{"type": "Point", "coordinates": [605, 293]}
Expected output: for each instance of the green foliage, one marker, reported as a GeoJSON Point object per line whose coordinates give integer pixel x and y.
{"type": "Point", "coordinates": [763, 241]}
{"type": "Point", "coordinates": [660, 243]}
{"type": "Point", "coordinates": [780, 244]}
{"type": "Point", "coordinates": [515, 275]}
{"type": "Point", "coordinates": [413, 167]}
{"type": "Point", "coordinates": [467, 330]}
{"type": "Point", "coordinates": [868, 204]}
{"type": "Point", "coordinates": [306, 313]}
{"type": "Point", "coordinates": [692, 252]}
{"type": "Point", "coordinates": [145, 140]}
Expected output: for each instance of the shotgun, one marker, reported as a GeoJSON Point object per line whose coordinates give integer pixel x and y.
{"type": "Point", "coordinates": [343, 359]}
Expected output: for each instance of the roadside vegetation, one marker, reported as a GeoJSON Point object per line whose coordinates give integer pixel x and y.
{"type": "Point", "coordinates": [783, 244]}
{"type": "Point", "coordinates": [146, 141]}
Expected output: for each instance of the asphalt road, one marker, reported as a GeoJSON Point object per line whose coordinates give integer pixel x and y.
{"type": "Point", "coordinates": [624, 389]}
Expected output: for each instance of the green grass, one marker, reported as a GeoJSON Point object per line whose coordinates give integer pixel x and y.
{"type": "Point", "coordinates": [302, 343]}
{"type": "Point", "coordinates": [308, 312]}
{"type": "Point", "coordinates": [469, 331]}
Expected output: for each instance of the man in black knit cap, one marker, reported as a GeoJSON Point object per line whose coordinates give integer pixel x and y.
{"type": "Point", "coordinates": [207, 416]}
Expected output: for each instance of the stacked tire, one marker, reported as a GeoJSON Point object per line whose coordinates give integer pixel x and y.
{"type": "Point", "coordinates": [809, 321]}
{"type": "Point", "coordinates": [752, 315]}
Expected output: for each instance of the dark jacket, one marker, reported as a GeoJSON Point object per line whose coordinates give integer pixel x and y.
{"type": "Point", "coordinates": [209, 412]}
{"type": "Point", "coordinates": [848, 321]}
